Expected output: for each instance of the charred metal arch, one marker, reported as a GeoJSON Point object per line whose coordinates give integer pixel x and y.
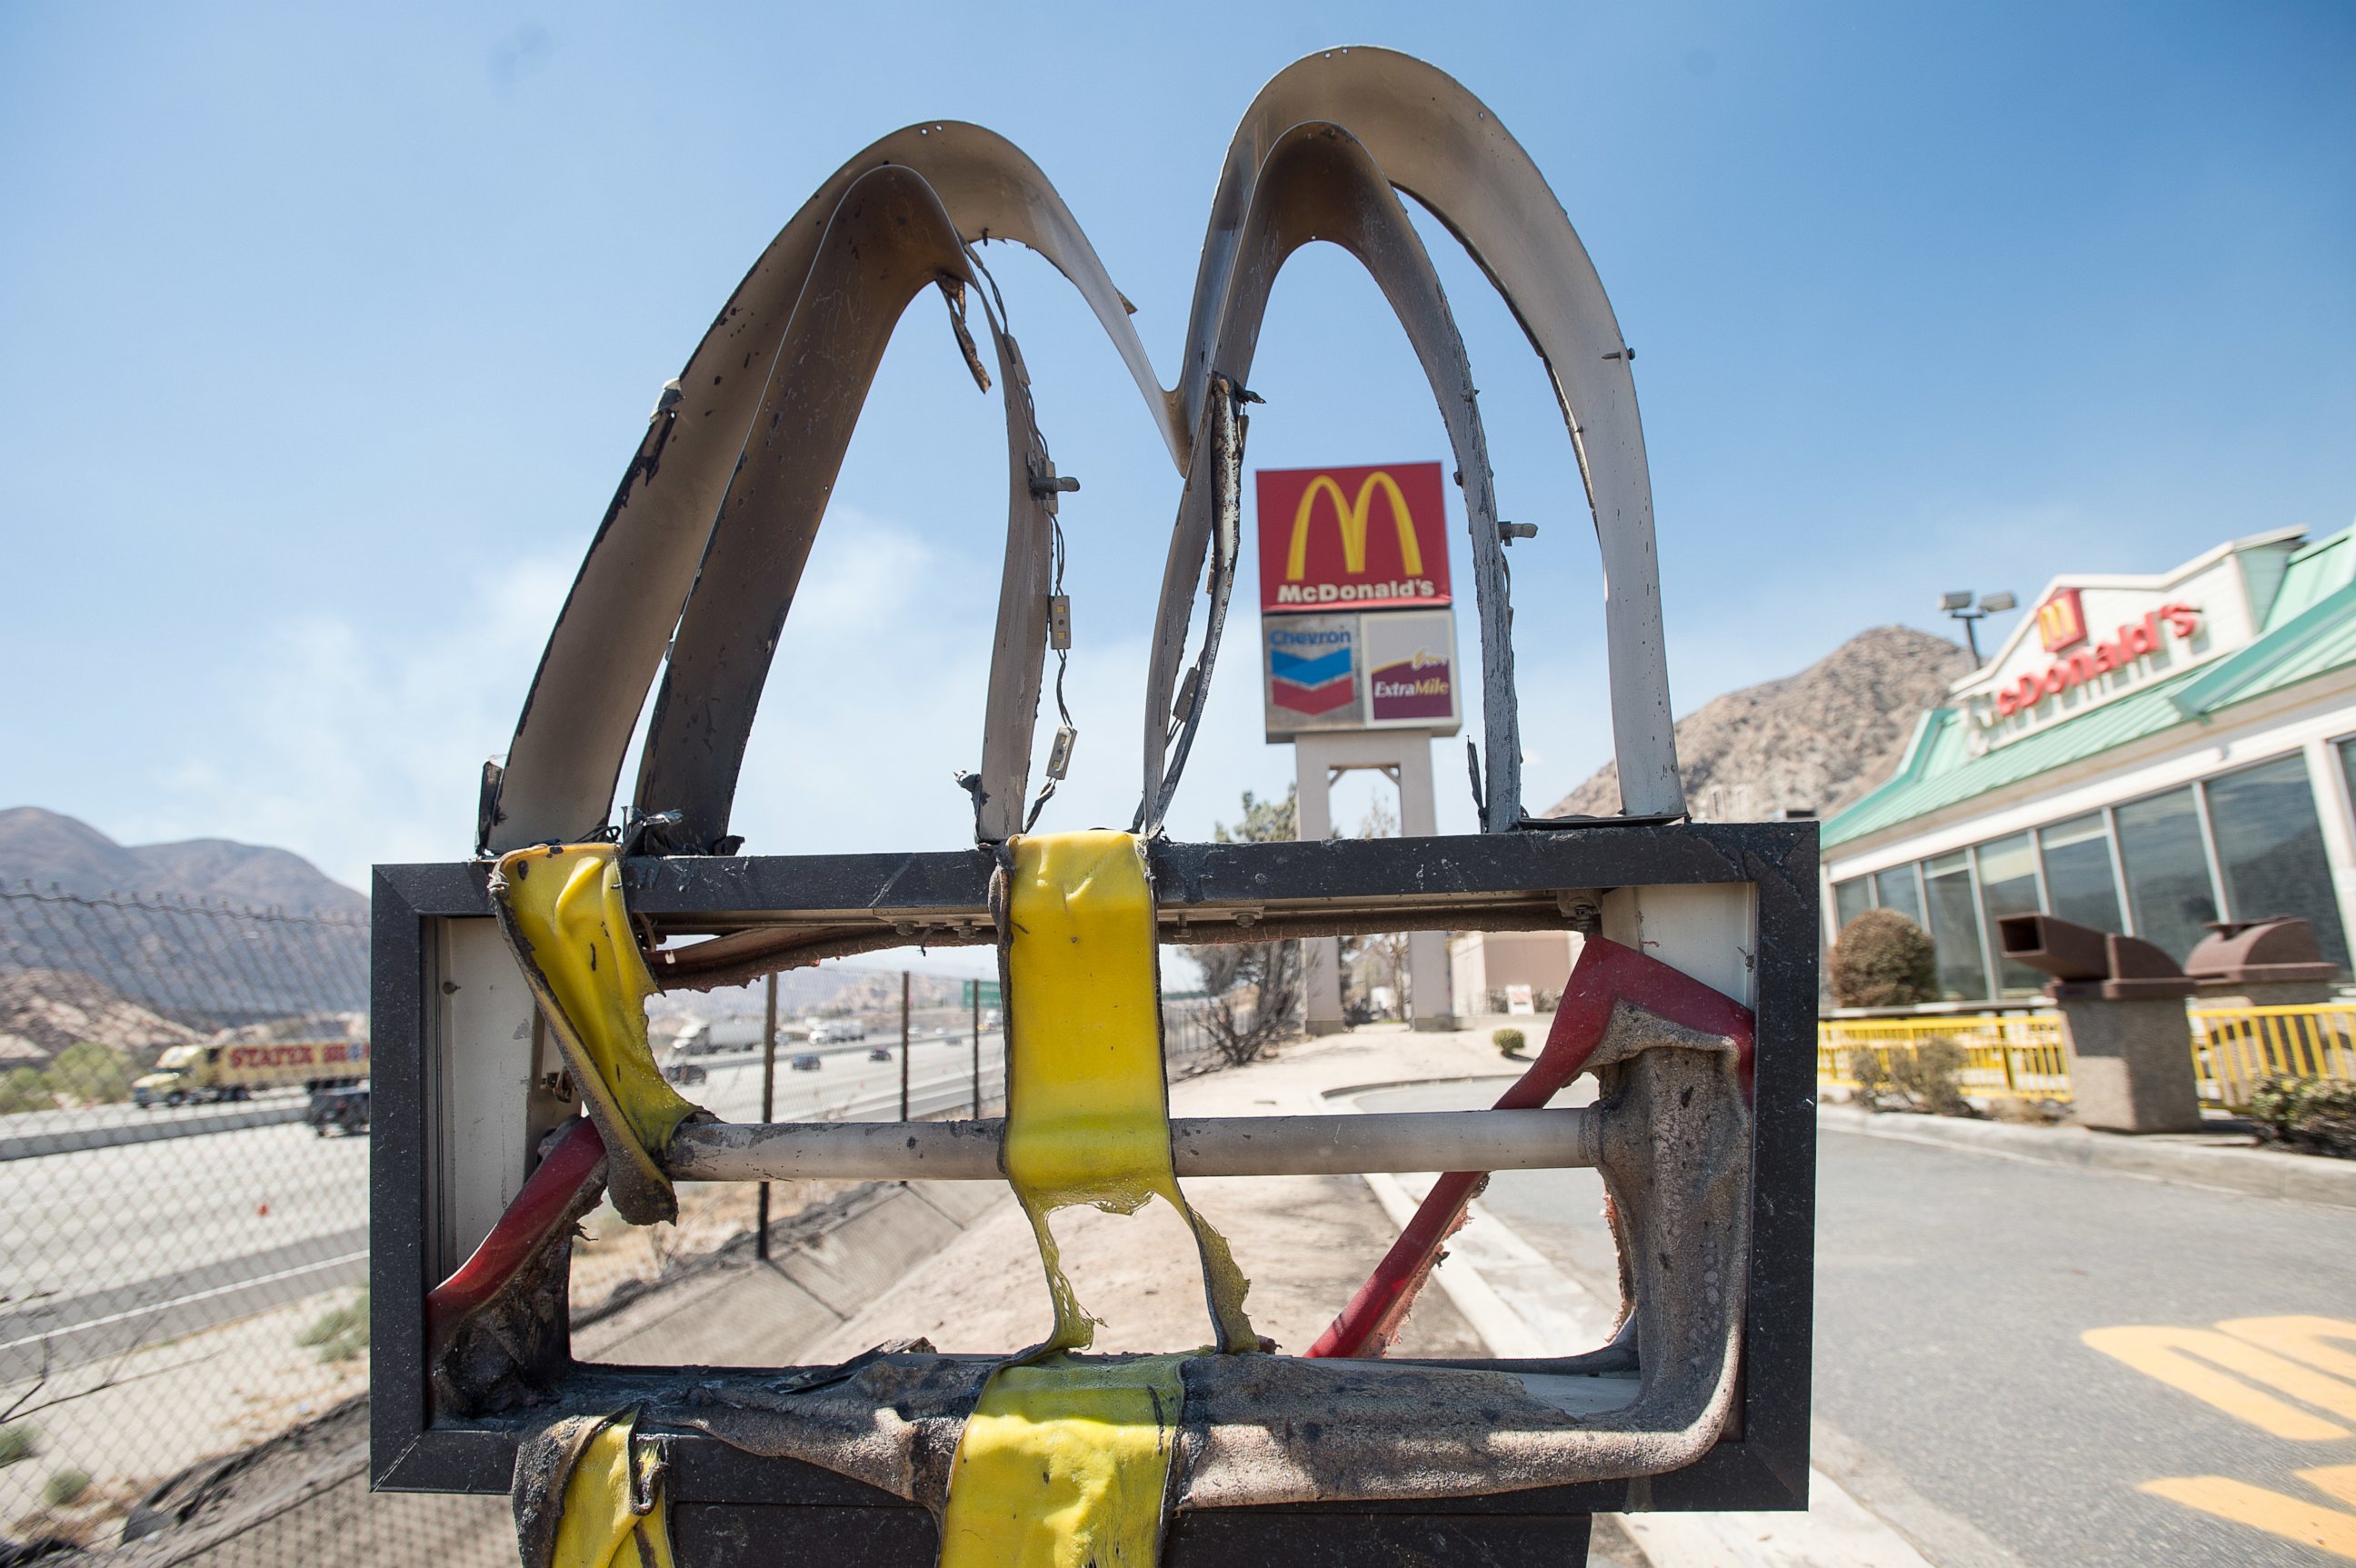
{"type": "Point", "coordinates": [1437, 143]}
{"type": "Point", "coordinates": [559, 778]}
{"type": "Point", "coordinates": [1318, 183]}
{"type": "Point", "coordinates": [1334, 130]}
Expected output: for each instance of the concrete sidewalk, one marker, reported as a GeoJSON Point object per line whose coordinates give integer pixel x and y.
{"type": "Point", "coordinates": [2229, 1162]}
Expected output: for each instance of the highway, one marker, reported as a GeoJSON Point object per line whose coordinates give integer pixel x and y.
{"type": "Point", "coordinates": [104, 1249]}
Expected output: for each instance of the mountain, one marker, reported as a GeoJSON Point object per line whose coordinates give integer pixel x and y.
{"type": "Point", "coordinates": [127, 944]}
{"type": "Point", "coordinates": [43, 847]}
{"type": "Point", "coordinates": [1807, 743]}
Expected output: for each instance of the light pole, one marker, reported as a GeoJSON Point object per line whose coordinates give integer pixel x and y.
{"type": "Point", "coordinates": [768, 1105]}
{"type": "Point", "coordinates": [1959, 606]}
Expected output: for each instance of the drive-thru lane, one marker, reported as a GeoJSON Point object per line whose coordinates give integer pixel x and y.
{"type": "Point", "coordinates": [2022, 1362]}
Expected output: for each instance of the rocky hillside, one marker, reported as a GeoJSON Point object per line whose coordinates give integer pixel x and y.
{"type": "Point", "coordinates": [144, 946]}
{"type": "Point", "coordinates": [43, 847]}
{"type": "Point", "coordinates": [1810, 742]}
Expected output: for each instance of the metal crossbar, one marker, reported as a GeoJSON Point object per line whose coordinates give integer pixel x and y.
{"type": "Point", "coordinates": [1200, 1146]}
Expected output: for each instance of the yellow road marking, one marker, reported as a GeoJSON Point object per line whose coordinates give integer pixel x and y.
{"type": "Point", "coordinates": [2304, 1339]}
{"type": "Point", "coordinates": [2187, 1360]}
{"type": "Point", "coordinates": [2292, 1519]}
{"type": "Point", "coordinates": [2340, 1480]}
{"type": "Point", "coordinates": [2303, 1357]}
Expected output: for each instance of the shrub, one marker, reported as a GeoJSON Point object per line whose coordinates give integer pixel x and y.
{"type": "Point", "coordinates": [342, 1333]}
{"type": "Point", "coordinates": [1884, 959]}
{"type": "Point", "coordinates": [18, 1440]}
{"type": "Point", "coordinates": [1872, 1079]}
{"type": "Point", "coordinates": [2316, 1115]}
{"type": "Point", "coordinates": [1509, 1042]}
{"type": "Point", "coordinates": [64, 1486]}
{"type": "Point", "coordinates": [1928, 1077]}
{"type": "Point", "coordinates": [24, 1089]}
{"type": "Point", "coordinates": [1931, 1075]}
{"type": "Point", "coordinates": [90, 1072]}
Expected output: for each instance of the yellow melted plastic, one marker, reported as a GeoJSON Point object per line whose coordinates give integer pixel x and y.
{"type": "Point", "coordinates": [1064, 1464]}
{"type": "Point", "coordinates": [598, 1529]}
{"type": "Point", "coordinates": [564, 912]}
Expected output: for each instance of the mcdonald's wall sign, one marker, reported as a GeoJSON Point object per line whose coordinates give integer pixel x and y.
{"type": "Point", "coordinates": [1342, 538]}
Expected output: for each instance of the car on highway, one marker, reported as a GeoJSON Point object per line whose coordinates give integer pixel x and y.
{"type": "Point", "coordinates": [342, 1109]}
{"type": "Point", "coordinates": [807, 1062]}
{"type": "Point", "coordinates": [879, 1055]}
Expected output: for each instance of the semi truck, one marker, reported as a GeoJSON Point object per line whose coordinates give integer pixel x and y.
{"type": "Point", "coordinates": [195, 1073]}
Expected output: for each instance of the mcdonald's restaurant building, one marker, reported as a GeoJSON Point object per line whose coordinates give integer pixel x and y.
{"type": "Point", "coordinates": [2144, 754]}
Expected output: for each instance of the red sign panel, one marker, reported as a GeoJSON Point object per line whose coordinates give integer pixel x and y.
{"type": "Point", "coordinates": [1374, 538]}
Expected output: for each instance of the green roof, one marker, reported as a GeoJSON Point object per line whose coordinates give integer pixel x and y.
{"type": "Point", "coordinates": [2309, 628]}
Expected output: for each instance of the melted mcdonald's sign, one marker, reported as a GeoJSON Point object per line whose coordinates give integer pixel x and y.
{"type": "Point", "coordinates": [1372, 538]}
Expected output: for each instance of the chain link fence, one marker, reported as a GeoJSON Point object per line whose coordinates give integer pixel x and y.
{"type": "Point", "coordinates": [183, 1252]}
{"type": "Point", "coordinates": [184, 1229]}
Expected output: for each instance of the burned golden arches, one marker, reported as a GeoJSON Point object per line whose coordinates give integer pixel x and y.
{"type": "Point", "coordinates": [1323, 153]}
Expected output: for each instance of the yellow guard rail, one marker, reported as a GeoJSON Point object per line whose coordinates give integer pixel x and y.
{"type": "Point", "coordinates": [2025, 1054]}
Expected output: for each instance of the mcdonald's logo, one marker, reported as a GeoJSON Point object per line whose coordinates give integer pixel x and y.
{"type": "Point", "coordinates": [1368, 538]}
{"type": "Point", "coordinates": [2062, 620]}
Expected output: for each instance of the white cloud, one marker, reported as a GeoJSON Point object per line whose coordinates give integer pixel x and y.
{"type": "Point", "coordinates": [350, 749]}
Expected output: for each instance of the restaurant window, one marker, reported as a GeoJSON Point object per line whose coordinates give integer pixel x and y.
{"type": "Point", "coordinates": [2078, 884]}
{"type": "Point", "coordinates": [1850, 900]}
{"type": "Point", "coordinates": [1955, 926]}
{"type": "Point", "coordinates": [2270, 848]}
{"type": "Point", "coordinates": [2166, 871]}
{"type": "Point", "coordinates": [1897, 889]}
{"type": "Point", "coordinates": [2008, 887]}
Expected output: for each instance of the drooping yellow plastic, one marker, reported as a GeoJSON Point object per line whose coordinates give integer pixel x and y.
{"type": "Point", "coordinates": [1064, 1464]}
{"type": "Point", "coordinates": [561, 907]}
{"type": "Point", "coordinates": [1088, 1117]}
{"type": "Point", "coordinates": [599, 1528]}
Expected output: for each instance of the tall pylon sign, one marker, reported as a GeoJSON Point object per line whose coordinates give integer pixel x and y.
{"type": "Point", "coordinates": [1358, 658]}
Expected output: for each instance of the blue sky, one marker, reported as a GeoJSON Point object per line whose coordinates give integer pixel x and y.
{"type": "Point", "coordinates": [324, 333]}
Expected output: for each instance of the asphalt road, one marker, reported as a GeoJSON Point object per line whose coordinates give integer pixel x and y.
{"type": "Point", "coordinates": [106, 1248]}
{"type": "Point", "coordinates": [1954, 1292]}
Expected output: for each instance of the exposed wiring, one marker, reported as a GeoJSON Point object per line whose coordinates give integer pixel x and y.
{"type": "Point", "coordinates": [1046, 485]}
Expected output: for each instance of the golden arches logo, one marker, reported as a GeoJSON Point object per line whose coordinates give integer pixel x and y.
{"type": "Point", "coordinates": [1351, 515]}
{"type": "Point", "coordinates": [2062, 620]}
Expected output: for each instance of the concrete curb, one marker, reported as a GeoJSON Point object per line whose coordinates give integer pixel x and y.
{"type": "Point", "coordinates": [2262, 1172]}
{"type": "Point", "coordinates": [74, 1140]}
